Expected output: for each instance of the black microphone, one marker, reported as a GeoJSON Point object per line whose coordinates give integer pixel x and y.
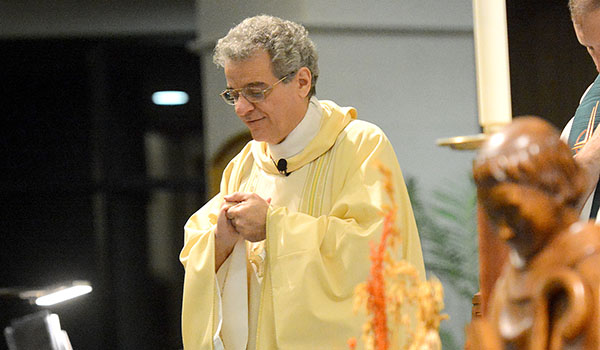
{"type": "Point", "coordinates": [282, 167]}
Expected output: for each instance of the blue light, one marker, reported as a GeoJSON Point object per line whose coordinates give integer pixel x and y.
{"type": "Point", "coordinates": [170, 98]}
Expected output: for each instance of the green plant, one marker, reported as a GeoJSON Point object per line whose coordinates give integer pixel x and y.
{"type": "Point", "coordinates": [448, 228]}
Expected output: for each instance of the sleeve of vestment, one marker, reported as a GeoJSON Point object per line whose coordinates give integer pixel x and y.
{"type": "Point", "coordinates": [200, 299]}
{"type": "Point", "coordinates": [200, 307]}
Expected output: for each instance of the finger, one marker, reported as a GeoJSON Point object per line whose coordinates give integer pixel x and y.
{"type": "Point", "coordinates": [237, 209]}
{"type": "Point", "coordinates": [237, 197]}
{"type": "Point", "coordinates": [230, 215]}
{"type": "Point", "coordinates": [227, 204]}
{"type": "Point", "coordinates": [229, 220]}
{"type": "Point", "coordinates": [224, 225]}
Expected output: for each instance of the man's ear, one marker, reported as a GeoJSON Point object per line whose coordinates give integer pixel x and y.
{"type": "Point", "coordinates": [304, 79]}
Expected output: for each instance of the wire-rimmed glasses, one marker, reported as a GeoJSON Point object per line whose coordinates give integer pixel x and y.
{"type": "Point", "coordinates": [253, 94]}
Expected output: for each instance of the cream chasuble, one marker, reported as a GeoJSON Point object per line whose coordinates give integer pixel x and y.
{"type": "Point", "coordinates": [240, 282]}
{"type": "Point", "coordinates": [321, 219]}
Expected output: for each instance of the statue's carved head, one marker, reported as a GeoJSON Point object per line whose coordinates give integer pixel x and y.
{"type": "Point", "coordinates": [526, 179]}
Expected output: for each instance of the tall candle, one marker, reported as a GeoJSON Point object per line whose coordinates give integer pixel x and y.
{"type": "Point", "coordinates": [491, 59]}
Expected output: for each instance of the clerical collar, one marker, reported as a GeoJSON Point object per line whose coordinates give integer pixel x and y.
{"type": "Point", "coordinates": [302, 134]}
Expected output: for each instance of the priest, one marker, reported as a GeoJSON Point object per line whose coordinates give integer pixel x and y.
{"type": "Point", "coordinates": [273, 259]}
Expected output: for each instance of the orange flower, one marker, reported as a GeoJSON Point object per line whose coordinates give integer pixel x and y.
{"type": "Point", "coordinates": [395, 288]}
{"type": "Point", "coordinates": [352, 343]}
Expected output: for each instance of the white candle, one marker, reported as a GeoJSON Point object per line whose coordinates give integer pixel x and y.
{"type": "Point", "coordinates": [491, 59]}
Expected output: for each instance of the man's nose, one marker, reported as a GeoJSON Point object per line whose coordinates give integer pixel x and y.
{"type": "Point", "coordinates": [243, 106]}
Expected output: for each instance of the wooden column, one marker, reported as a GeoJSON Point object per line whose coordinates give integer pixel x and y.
{"type": "Point", "coordinates": [493, 253]}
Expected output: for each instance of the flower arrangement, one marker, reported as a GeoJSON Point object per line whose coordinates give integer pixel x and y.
{"type": "Point", "coordinates": [403, 310]}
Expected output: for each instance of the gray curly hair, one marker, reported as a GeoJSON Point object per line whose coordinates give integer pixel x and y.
{"type": "Point", "coordinates": [286, 42]}
{"type": "Point", "coordinates": [579, 8]}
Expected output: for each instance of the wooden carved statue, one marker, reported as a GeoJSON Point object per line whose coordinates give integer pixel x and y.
{"type": "Point", "coordinates": [548, 294]}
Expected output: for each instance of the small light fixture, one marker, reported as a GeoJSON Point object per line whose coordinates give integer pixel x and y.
{"type": "Point", "coordinates": [59, 295]}
{"type": "Point", "coordinates": [170, 98]}
{"type": "Point", "coordinates": [50, 295]}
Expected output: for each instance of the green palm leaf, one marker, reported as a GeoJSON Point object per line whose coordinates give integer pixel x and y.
{"type": "Point", "coordinates": [448, 230]}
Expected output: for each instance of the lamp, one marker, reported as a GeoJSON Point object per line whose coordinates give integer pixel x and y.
{"type": "Point", "coordinates": [50, 295]}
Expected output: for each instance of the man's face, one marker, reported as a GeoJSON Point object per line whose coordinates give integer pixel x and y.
{"type": "Point", "coordinates": [587, 30]}
{"type": "Point", "coordinates": [272, 119]}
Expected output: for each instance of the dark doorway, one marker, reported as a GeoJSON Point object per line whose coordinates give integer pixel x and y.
{"type": "Point", "coordinates": [98, 181]}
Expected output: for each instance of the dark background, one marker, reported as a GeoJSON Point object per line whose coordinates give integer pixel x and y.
{"type": "Point", "coordinates": [549, 69]}
{"type": "Point", "coordinates": [77, 186]}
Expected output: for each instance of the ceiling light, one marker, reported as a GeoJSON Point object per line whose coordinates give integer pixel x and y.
{"type": "Point", "coordinates": [170, 98]}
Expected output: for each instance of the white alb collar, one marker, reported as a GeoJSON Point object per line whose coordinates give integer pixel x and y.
{"type": "Point", "coordinates": [302, 134]}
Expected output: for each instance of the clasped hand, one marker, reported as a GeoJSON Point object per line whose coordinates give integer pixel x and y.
{"type": "Point", "coordinates": [242, 215]}
{"type": "Point", "coordinates": [246, 213]}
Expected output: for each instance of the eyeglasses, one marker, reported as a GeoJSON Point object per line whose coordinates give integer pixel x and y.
{"type": "Point", "coordinates": [251, 93]}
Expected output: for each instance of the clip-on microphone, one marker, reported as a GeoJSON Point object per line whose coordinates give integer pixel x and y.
{"type": "Point", "coordinates": [282, 167]}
